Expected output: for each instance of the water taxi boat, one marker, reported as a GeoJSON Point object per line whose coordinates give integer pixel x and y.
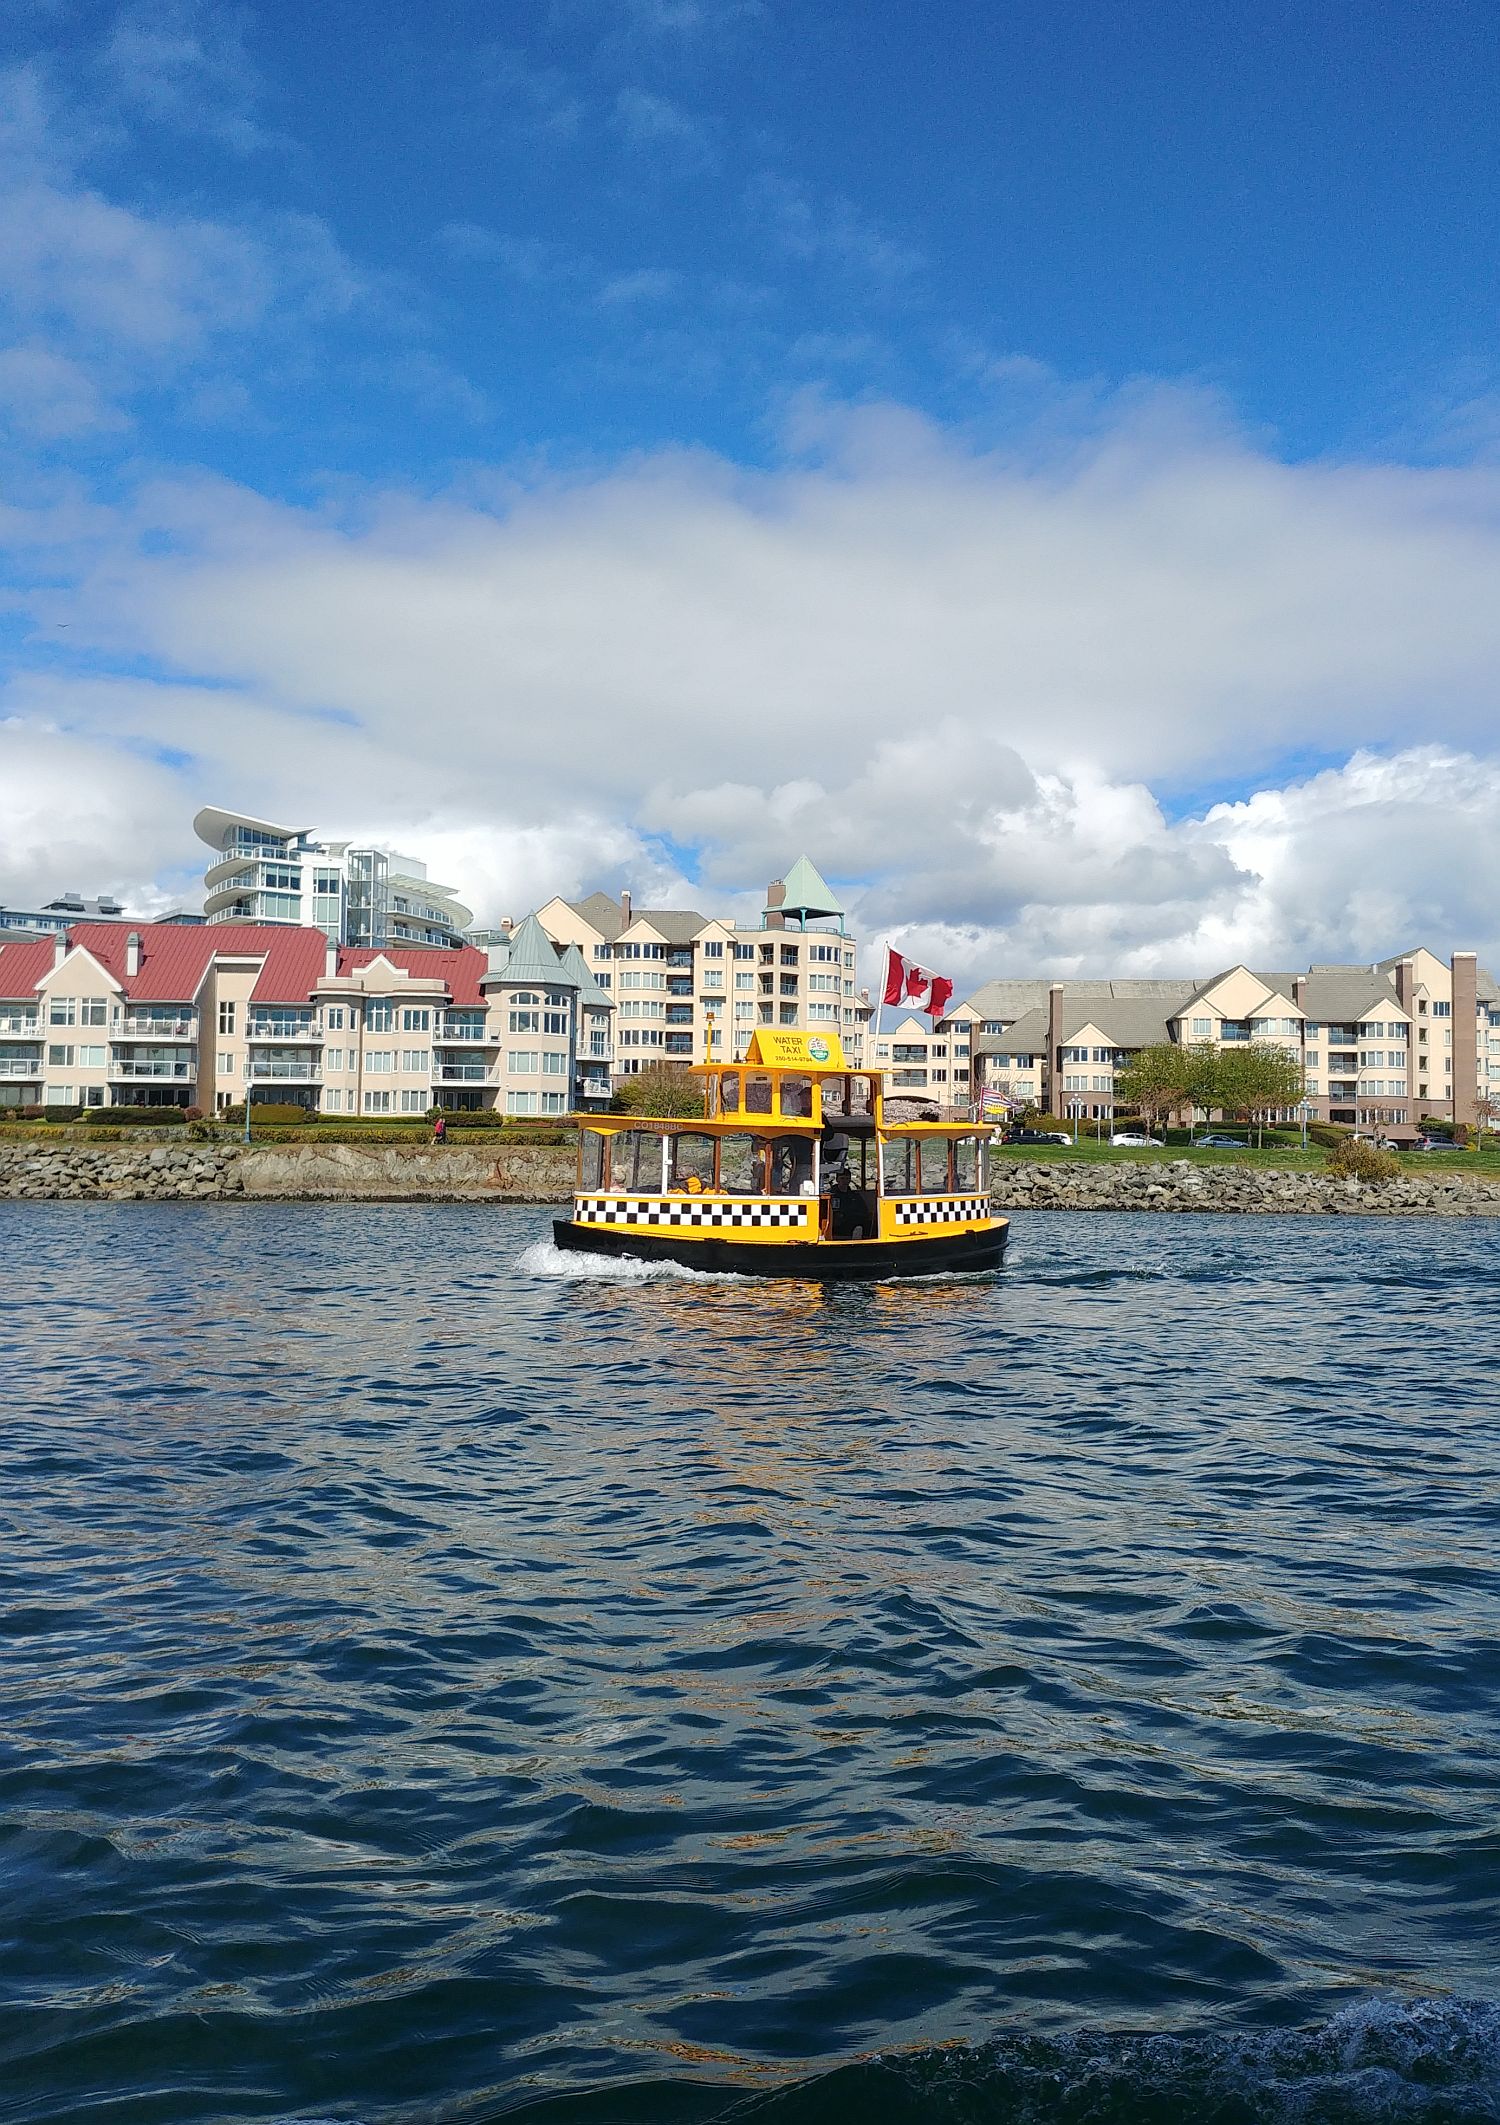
{"type": "Point", "coordinates": [800, 1166]}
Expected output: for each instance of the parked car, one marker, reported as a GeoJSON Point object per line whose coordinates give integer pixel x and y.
{"type": "Point", "coordinates": [1438, 1143]}
{"type": "Point", "coordinates": [1135, 1141]}
{"type": "Point", "coordinates": [1227, 1143]}
{"type": "Point", "coordinates": [1038, 1136]}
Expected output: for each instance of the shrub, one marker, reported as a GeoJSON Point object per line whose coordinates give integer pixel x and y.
{"type": "Point", "coordinates": [1353, 1160]}
{"type": "Point", "coordinates": [276, 1114]}
{"type": "Point", "coordinates": [192, 1114]}
{"type": "Point", "coordinates": [139, 1117]}
{"type": "Point", "coordinates": [1329, 1135]}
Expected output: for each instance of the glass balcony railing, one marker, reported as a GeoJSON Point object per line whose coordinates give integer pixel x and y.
{"type": "Point", "coordinates": [138, 1025]}
{"type": "Point", "coordinates": [461, 1074]}
{"type": "Point", "coordinates": [160, 1072]}
{"type": "Point", "coordinates": [27, 1024]}
{"type": "Point", "coordinates": [11, 1067]}
{"type": "Point", "coordinates": [282, 1029]}
{"type": "Point", "coordinates": [299, 1072]}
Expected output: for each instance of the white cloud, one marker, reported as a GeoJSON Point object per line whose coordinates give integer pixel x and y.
{"type": "Point", "coordinates": [181, 64]}
{"type": "Point", "coordinates": [656, 125]}
{"type": "Point", "coordinates": [957, 678]}
{"type": "Point", "coordinates": [827, 229]}
{"type": "Point", "coordinates": [45, 397]}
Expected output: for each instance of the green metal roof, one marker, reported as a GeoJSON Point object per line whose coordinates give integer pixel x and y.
{"type": "Point", "coordinates": [531, 957]}
{"type": "Point", "coordinates": [807, 893]}
{"type": "Point", "coordinates": [576, 974]}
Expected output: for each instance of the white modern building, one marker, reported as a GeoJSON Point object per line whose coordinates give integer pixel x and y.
{"type": "Point", "coordinates": [356, 894]}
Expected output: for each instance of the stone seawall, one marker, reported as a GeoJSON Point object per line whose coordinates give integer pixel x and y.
{"type": "Point", "coordinates": [39, 1170]}
{"type": "Point", "coordinates": [1242, 1190]}
{"type": "Point", "coordinates": [189, 1172]}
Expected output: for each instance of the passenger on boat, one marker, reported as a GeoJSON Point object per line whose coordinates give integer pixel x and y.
{"type": "Point", "coordinates": [847, 1210]}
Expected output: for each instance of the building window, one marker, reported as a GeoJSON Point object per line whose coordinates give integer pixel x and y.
{"type": "Point", "coordinates": [553, 1064]}
{"type": "Point", "coordinates": [62, 1011]}
{"type": "Point", "coordinates": [416, 1060]}
{"type": "Point", "coordinates": [1202, 1027]}
{"type": "Point", "coordinates": [59, 1058]}
{"type": "Point", "coordinates": [380, 1059]}
{"type": "Point", "coordinates": [377, 1103]}
{"type": "Point", "coordinates": [523, 1102]}
{"type": "Point", "coordinates": [380, 1017]}
{"type": "Point", "coordinates": [744, 951]}
{"type": "Point", "coordinates": [521, 1062]}
{"type": "Point", "coordinates": [525, 1021]}
{"type": "Point", "coordinates": [416, 1021]}
{"type": "Point", "coordinates": [415, 1102]}
{"type": "Point", "coordinates": [333, 1018]}
{"type": "Point", "coordinates": [713, 951]}
{"type": "Point", "coordinates": [554, 1103]}
{"type": "Point", "coordinates": [555, 1022]}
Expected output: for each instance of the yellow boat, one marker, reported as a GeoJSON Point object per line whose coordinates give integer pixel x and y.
{"type": "Point", "coordinates": [798, 1167]}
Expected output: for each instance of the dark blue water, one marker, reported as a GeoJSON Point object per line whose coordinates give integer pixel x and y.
{"type": "Point", "coordinates": [438, 1689]}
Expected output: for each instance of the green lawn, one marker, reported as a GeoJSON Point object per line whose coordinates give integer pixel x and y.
{"type": "Point", "coordinates": [1288, 1157]}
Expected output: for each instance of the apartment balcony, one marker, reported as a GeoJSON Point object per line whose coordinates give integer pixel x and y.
{"type": "Point", "coordinates": [237, 870]}
{"type": "Point", "coordinates": [12, 1066]}
{"type": "Point", "coordinates": [679, 1014]}
{"type": "Point", "coordinates": [463, 1074]}
{"type": "Point", "coordinates": [137, 1025]}
{"type": "Point", "coordinates": [679, 985]}
{"type": "Point", "coordinates": [154, 1070]}
{"type": "Point", "coordinates": [282, 1030]}
{"type": "Point", "coordinates": [468, 1037]}
{"type": "Point", "coordinates": [27, 1025]}
{"type": "Point", "coordinates": [299, 1072]}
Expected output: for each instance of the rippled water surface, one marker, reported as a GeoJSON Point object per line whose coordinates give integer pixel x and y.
{"type": "Point", "coordinates": [438, 1687]}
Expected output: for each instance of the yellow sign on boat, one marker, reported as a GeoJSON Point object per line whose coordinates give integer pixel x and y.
{"type": "Point", "coordinates": [796, 1050]}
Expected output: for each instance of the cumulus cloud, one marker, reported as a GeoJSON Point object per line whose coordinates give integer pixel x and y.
{"type": "Point", "coordinates": [961, 679]}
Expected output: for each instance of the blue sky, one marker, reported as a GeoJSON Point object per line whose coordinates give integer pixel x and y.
{"type": "Point", "coordinates": [669, 390]}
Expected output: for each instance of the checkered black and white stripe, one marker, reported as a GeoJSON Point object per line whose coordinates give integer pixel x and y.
{"type": "Point", "coordinates": [940, 1209]}
{"type": "Point", "coordinates": [703, 1211]}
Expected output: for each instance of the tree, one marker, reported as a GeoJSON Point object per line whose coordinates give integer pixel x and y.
{"type": "Point", "coordinates": [1486, 1114]}
{"type": "Point", "coordinates": [1257, 1082]}
{"type": "Point", "coordinates": [1155, 1081]}
{"type": "Point", "coordinates": [661, 1088]}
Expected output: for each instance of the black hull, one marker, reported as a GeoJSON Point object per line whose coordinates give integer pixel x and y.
{"type": "Point", "coordinates": [963, 1253]}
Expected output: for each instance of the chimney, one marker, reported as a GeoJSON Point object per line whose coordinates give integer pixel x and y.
{"type": "Point", "coordinates": [775, 895]}
{"type": "Point", "coordinates": [625, 915]}
{"type": "Point", "coordinates": [331, 960]}
{"type": "Point", "coordinates": [507, 923]}
{"type": "Point", "coordinates": [1464, 967]}
{"type": "Point", "coordinates": [59, 948]}
{"type": "Point", "coordinates": [1403, 985]}
{"type": "Point", "coordinates": [1299, 989]}
{"type": "Point", "coordinates": [133, 954]}
{"type": "Point", "coordinates": [1053, 1087]}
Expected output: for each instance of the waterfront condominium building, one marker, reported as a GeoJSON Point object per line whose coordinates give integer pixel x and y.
{"type": "Point", "coordinates": [208, 1015]}
{"type": "Point", "coordinates": [356, 894]}
{"type": "Point", "coordinates": [1387, 1046]}
{"type": "Point", "coordinates": [679, 978]}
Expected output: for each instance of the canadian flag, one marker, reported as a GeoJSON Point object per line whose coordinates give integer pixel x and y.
{"type": "Point", "coordinates": [906, 982]}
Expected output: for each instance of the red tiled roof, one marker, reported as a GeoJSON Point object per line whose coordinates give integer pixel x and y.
{"type": "Point", "coordinates": [176, 955]}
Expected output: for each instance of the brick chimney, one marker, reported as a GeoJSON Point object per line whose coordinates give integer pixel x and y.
{"type": "Point", "coordinates": [1299, 989]}
{"type": "Point", "coordinates": [1402, 979]}
{"type": "Point", "coordinates": [1054, 1083]}
{"type": "Point", "coordinates": [775, 895]}
{"type": "Point", "coordinates": [133, 954]}
{"type": "Point", "coordinates": [625, 915]}
{"type": "Point", "coordinates": [1464, 967]}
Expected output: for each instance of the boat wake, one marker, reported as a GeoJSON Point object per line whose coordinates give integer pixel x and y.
{"type": "Point", "coordinates": [545, 1259]}
{"type": "Point", "coordinates": [1433, 2062]}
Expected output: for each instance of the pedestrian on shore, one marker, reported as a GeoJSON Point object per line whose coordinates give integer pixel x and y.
{"type": "Point", "coordinates": [440, 1130]}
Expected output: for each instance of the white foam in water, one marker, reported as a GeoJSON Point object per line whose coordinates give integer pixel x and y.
{"type": "Point", "coordinates": [546, 1258]}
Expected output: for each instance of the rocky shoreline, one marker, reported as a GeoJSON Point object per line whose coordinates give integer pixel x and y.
{"type": "Point", "coordinates": [1240, 1191]}
{"type": "Point", "coordinates": [39, 1171]}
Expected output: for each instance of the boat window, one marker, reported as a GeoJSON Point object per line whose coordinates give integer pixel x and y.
{"type": "Point", "coordinates": [757, 1095]}
{"type": "Point", "coordinates": [741, 1170]}
{"type": "Point", "coordinates": [692, 1163]}
{"type": "Point", "coordinates": [796, 1097]}
{"type": "Point", "coordinates": [729, 1092]}
{"type": "Point", "coordinates": [934, 1165]}
{"type": "Point", "coordinates": [896, 1164]}
{"type": "Point", "coordinates": [591, 1159]}
{"type": "Point", "coordinates": [646, 1173]}
{"type": "Point", "coordinates": [791, 1166]}
{"type": "Point", "coordinates": [966, 1164]}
